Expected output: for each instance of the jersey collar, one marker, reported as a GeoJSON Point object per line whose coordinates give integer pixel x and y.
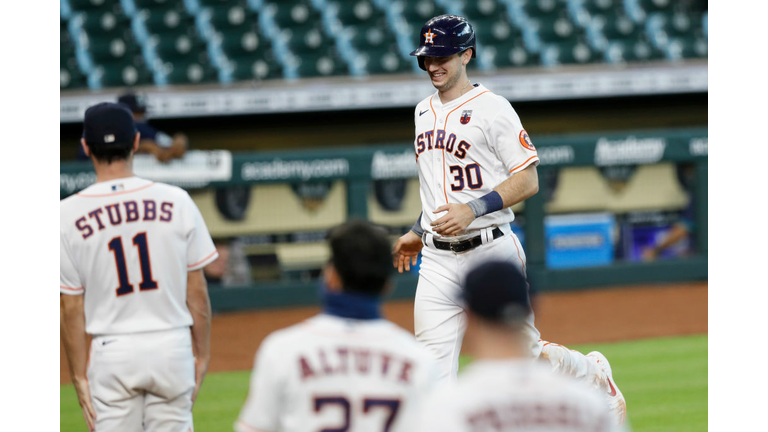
{"type": "Point", "coordinates": [121, 185]}
{"type": "Point", "coordinates": [476, 90]}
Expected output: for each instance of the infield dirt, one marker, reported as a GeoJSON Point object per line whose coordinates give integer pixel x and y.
{"type": "Point", "coordinates": [604, 315]}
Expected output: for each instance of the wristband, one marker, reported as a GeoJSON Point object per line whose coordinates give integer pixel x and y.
{"type": "Point", "coordinates": [488, 203]}
{"type": "Point", "coordinates": [416, 228]}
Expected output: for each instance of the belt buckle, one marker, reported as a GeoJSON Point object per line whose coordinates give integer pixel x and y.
{"type": "Point", "coordinates": [461, 246]}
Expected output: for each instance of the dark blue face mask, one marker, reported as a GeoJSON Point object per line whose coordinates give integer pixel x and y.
{"type": "Point", "coordinates": [349, 305]}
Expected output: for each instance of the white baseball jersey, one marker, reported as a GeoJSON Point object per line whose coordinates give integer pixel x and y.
{"type": "Point", "coordinates": [515, 395]}
{"type": "Point", "coordinates": [465, 148]}
{"type": "Point", "coordinates": [331, 373]}
{"type": "Point", "coordinates": [127, 245]}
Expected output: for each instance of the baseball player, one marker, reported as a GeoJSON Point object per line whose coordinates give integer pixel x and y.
{"type": "Point", "coordinates": [475, 160]}
{"type": "Point", "coordinates": [504, 389]}
{"type": "Point", "coordinates": [347, 369]}
{"type": "Point", "coordinates": [132, 254]}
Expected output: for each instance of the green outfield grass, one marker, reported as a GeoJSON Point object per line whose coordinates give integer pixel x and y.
{"type": "Point", "coordinates": [664, 381]}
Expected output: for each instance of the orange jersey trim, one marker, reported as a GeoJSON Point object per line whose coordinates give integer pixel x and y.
{"type": "Point", "coordinates": [66, 288]}
{"type": "Point", "coordinates": [115, 193]}
{"type": "Point", "coordinates": [203, 260]}
{"type": "Point", "coordinates": [523, 164]}
{"type": "Point", "coordinates": [518, 253]}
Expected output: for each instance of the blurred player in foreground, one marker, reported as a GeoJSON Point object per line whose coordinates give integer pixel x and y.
{"type": "Point", "coordinates": [475, 161]}
{"type": "Point", "coordinates": [504, 389]}
{"type": "Point", "coordinates": [347, 369]}
{"type": "Point", "coordinates": [132, 254]}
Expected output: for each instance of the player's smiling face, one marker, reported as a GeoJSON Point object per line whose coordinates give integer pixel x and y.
{"type": "Point", "coordinates": [444, 71]}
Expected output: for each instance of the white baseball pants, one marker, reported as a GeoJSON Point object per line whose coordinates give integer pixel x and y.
{"type": "Point", "coordinates": [143, 381]}
{"type": "Point", "coordinates": [439, 318]}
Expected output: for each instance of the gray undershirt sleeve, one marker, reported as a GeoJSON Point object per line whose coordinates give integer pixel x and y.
{"type": "Point", "coordinates": [416, 228]}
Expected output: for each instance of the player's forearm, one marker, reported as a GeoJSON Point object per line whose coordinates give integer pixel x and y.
{"type": "Point", "coordinates": [199, 306]}
{"type": "Point", "coordinates": [519, 187]}
{"type": "Point", "coordinates": [72, 322]}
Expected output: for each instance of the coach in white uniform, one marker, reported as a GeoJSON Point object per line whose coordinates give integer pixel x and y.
{"type": "Point", "coordinates": [347, 369]}
{"type": "Point", "coordinates": [504, 390]}
{"type": "Point", "coordinates": [132, 254]}
{"type": "Point", "coordinates": [475, 160]}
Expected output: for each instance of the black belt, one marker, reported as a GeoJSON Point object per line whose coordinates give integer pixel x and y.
{"type": "Point", "coordinates": [465, 245]}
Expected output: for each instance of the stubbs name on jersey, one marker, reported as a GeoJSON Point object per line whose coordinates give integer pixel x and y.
{"type": "Point", "coordinates": [131, 211]}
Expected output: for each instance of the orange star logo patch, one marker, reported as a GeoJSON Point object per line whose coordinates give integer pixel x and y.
{"type": "Point", "coordinates": [428, 37]}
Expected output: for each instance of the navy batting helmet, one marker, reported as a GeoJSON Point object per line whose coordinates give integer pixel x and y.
{"type": "Point", "coordinates": [444, 36]}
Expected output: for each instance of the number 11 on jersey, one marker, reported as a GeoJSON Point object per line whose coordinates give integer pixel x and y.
{"type": "Point", "coordinates": [140, 241]}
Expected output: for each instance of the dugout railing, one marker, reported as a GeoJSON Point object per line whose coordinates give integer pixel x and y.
{"type": "Point", "coordinates": [358, 169]}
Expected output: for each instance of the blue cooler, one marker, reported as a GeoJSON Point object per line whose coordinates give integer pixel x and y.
{"type": "Point", "coordinates": [579, 240]}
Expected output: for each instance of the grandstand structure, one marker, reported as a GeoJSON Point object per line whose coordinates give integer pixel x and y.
{"type": "Point", "coordinates": [211, 68]}
{"type": "Point", "coordinates": [219, 45]}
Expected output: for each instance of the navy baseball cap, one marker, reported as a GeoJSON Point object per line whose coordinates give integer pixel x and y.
{"type": "Point", "coordinates": [497, 291]}
{"type": "Point", "coordinates": [133, 102]}
{"type": "Point", "coordinates": [108, 125]}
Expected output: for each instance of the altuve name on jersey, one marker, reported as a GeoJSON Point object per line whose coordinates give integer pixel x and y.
{"type": "Point", "coordinates": [350, 360]}
{"type": "Point", "coordinates": [428, 141]}
{"type": "Point", "coordinates": [123, 212]}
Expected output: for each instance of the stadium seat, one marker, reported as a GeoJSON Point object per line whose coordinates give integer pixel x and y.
{"type": "Point", "coordinates": [496, 30]}
{"type": "Point", "coordinates": [100, 24]}
{"type": "Point", "coordinates": [241, 42]}
{"type": "Point", "coordinates": [125, 73]}
{"type": "Point", "coordinates": [580, 189]}
{"type": "Point", "coordinates": [167, 20]}
{"type": "Point", "coordinates": [274, 209]}
{"type": "Point", "coordinates": [416, 14]}
{"type": "Point", "coordinates": [71, 77]}
{"type": "Point", "coordinates": [290, 13]}
{"type": "Point", "coordinates": [632, 51]}
{"type": "Point", "coordinates": [687, 47]}
{"type": "Point", "coordinates": [302, 39]}
{"type": "Point", "coordinates": [675, 24]}
{"type": "Point", "coordinates": [190, 71]}
{"type": "Point", "coordinates": [260, 66]}
{"type": "Point", "coordinates": [652, 187]}
{"type": "Point", "coordinates": [112, 49]}
{"type": "Point", "coordinates": [320, 63]}
{"type": "Point", "coordinates": [478, 10]}
{"type": "Point", "coordinates": [204, 3]}
{"type": "Point", "coordinates": [560, 28]}
{"type": "Point", "coordinates": [512, 54]}
{"type": "Point", "coordinates": [617, 27]}
{"type": "Point", "coordinates": [230, 16]}
{"type": "Point", "coordinates": [377, 36]}
{"type": "Point", "coordinates": [359, 12]}
{"type": "Point", "coordinates": [95, 5]}
{"type": "Point", "coordinates": [385, 61]}
{"type": "Point", "coordinates": [650, 6]}
{"type": "Point", "coordinates": [543, 9]}
{"type": "Point", "coordinates": [171, 47]}
{"type": "Point", "coordinates": [573, 51]}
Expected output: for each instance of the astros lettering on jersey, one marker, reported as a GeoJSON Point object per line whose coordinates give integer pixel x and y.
{"type": "Point", "coordinates": [465, 148]}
